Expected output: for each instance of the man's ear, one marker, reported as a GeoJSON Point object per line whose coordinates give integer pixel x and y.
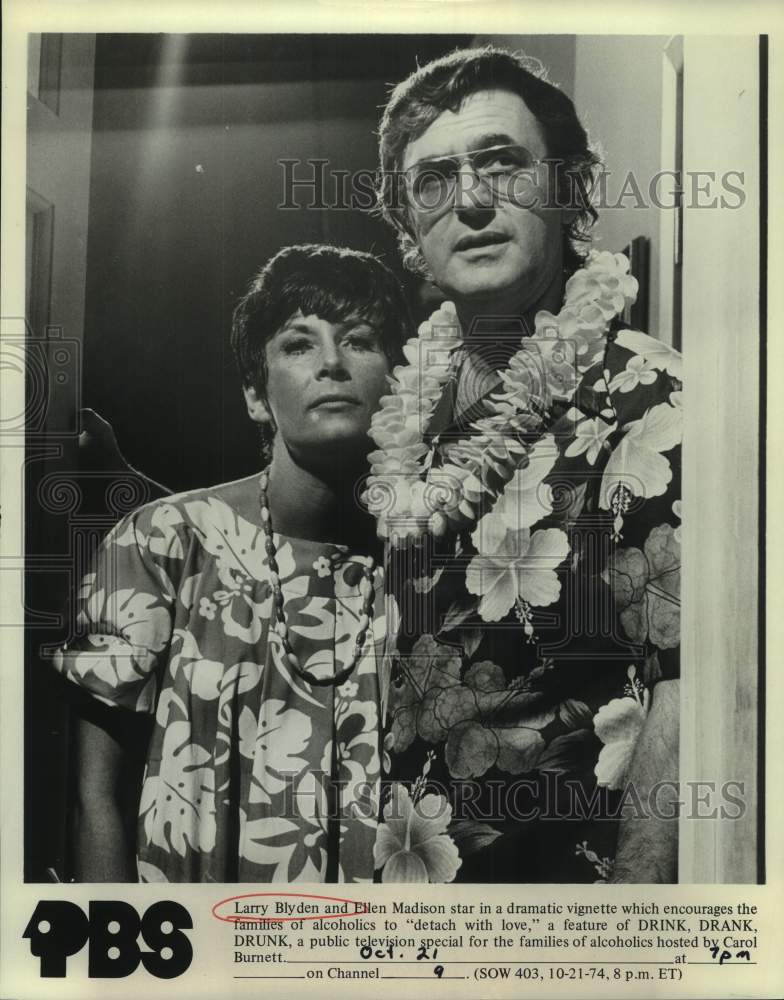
{"type": "Point", "coordinates": [257, 407]}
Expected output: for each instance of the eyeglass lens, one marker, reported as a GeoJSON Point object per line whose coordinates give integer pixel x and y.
{"type": "Point", "coordinates": [433, 181]}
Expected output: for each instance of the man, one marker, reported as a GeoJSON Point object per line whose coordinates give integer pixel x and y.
{"type": "Point", "coordinates": [539, 596]}
{"type": "Point", "coordinates": [243, 616]}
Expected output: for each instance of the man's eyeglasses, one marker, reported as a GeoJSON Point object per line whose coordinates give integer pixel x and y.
{"type": "Point", "coordinates": [430, 184]}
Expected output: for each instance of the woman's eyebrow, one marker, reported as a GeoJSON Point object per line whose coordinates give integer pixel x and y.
{"type": "Point", "coordinates": [294, 326]}
{"type": "Point", "coordinates": [357, 322]}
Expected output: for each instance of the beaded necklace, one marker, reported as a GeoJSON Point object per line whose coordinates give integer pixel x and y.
{"type": "Point", "coordinates": [366, 589]}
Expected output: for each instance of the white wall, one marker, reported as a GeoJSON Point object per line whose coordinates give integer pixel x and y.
{"type": "Point", "coordinates": [617, 91]}
{"type": "Point", "coordinates": [721, 337]}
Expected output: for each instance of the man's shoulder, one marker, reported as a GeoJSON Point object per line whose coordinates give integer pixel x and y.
{"type": "Point", "coordinates": [626, 343]}
{"type": "Point", "coordinates": [636, 369]}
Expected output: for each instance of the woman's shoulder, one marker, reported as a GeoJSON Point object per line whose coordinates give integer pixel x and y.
{"type": "Point", "coordinates": [225, 522]}
{"type": "Point", "coordinates": [231, 507]}
{"type": "Point", "coordinates": [240, 496]}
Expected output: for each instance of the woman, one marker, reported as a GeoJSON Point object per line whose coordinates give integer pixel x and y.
{"type": "Point", "coordinates": [248, 616]}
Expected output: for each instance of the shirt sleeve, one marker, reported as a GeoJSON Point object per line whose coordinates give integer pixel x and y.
{"type": "Point", "coordinates": [123, 619]}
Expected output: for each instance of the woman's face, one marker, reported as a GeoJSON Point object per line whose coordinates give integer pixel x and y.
{"type": "Point", "coordinates": [324, 382]}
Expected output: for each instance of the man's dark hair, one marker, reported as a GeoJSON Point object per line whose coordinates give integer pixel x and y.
{"type": "Point", "coordinates": [443, 85]}
{"type": "Point", "coordinates": [333, 283]}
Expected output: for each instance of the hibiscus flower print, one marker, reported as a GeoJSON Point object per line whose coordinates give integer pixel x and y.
{"type": "Point", "coordinates": [412, 844]}
{"type": "Point", "coordinates": [430, 666]}
{"type": "Point", "coordinates": [646, 586]}
{"type": "Point", "coordinates": [243, 617]}
{"type": "Point", "coordinates": [638, 464]}
{"type": "Point", "coordinates": [481, 721]}
{"type": "Point", "coordinates": [618, 725]}
{"type": "Point", "coordinates": [522, 569]}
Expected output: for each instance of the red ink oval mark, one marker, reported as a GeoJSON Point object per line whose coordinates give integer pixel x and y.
{"type": "Point", "coordinates": [233, 918]}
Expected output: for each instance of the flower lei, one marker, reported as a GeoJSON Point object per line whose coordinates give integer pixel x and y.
{"type": "Point", "coordinates": [407, 496]}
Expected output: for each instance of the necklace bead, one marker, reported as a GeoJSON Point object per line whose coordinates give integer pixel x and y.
{"type": "Point", "coordinates": [280, 628]}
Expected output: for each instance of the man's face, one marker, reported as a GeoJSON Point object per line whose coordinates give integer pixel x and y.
{"type": "Point", "coordinates": [482, 249]}
{"type": "Point", "coordinates": [324, 382]}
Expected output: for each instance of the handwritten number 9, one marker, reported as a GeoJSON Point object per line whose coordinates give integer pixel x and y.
{"type": "Point", "coordinates": [438, 970]}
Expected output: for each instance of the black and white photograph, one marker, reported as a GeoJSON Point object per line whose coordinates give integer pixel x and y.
{"type": "Point", "coordinates": [376, 498]}
{"type": "Point", "coordinates": [391, 464]}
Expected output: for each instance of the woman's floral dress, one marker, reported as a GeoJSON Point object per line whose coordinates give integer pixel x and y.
{"type": "Point", "coordinates": [252, 773]}
{"type": "Point", "coordinates": [523, 677]}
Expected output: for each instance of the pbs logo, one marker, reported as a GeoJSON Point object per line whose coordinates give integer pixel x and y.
{"type": "Point", "coordinates": [111, 929]}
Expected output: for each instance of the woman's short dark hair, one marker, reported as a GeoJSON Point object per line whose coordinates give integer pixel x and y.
{"type": "Point", "coordinates": [443, 85]}
{"type": "Point", "coordinates": [330, 282]}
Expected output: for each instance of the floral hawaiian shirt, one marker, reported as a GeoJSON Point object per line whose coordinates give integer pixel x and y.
{"type": "Point", "coordinates": [522, 677]}
{"type": "Point", "coordinates": [252, 773]}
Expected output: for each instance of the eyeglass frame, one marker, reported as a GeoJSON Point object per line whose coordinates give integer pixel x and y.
{"type": "Point", "coordinates": [459, 159]}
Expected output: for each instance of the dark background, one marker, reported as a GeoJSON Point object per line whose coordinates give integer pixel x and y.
{"type": "Point", "coordinates": [187, 135]}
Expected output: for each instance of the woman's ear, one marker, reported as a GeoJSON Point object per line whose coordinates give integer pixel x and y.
{"type": "Point", "coordinates": [257, 406]}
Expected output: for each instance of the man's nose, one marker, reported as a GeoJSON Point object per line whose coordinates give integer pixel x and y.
{"type": "Point", "coordinates": [472, 194]}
